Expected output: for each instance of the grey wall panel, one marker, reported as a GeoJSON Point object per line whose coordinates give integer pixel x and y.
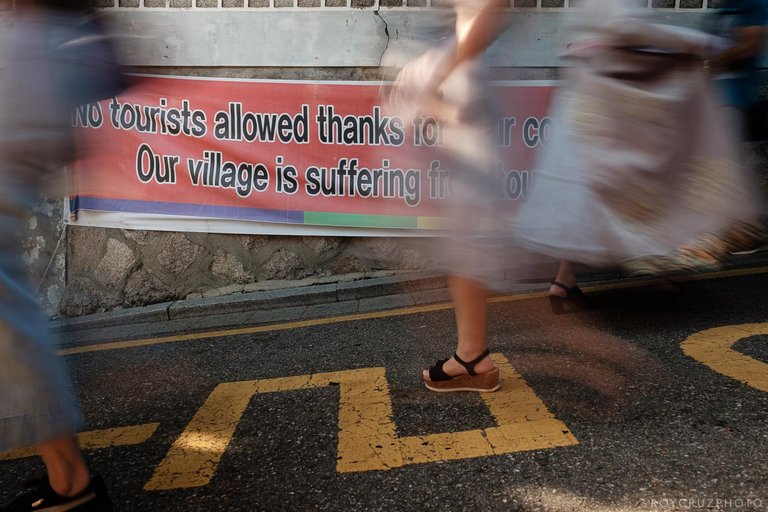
{"type": "Point", "coordinates": [259, 39]}
{"type": "Point", "coordinates": [326, 38]}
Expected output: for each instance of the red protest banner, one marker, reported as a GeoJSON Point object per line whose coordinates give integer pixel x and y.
{"type": "Point", "coordinates": [294, 153]}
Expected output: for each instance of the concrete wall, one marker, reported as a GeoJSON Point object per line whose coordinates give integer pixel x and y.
{"type": "Point", "coordinates": [95, 269]}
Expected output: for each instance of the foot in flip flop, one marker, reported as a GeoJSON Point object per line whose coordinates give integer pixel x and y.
{"type": "Point", "coordinates": [437, 379]}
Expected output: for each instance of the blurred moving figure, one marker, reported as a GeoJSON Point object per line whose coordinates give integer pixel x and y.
{"type": "Point", "coordinates": [450, 83]}
{"type": "Point", "coordinates": [642, 159]}
{"type": "Point", "coordinates": [632, 170]}
{"type": "Point", "coordinates": [743, 26]}
{"type": "Point", "coordinates": [55, 58]}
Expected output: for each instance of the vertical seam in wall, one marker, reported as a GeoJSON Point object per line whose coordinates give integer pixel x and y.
{"type": "Point", "coordinates": [386, 32]}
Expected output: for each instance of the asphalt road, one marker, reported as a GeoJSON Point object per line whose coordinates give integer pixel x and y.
{"type": "Point", "coordinates": [611, 410]}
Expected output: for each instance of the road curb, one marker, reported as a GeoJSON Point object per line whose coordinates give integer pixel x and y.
{"type": "Point", "coordinates": [370, 293]}
{"type": "Point", "coordinates": [311, 295]}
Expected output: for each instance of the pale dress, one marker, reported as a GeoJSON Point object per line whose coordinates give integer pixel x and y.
{"type": "Point", "coordinates": [642, 158]}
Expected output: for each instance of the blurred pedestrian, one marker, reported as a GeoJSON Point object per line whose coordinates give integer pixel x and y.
{"type": "Point", "coordinates": [450, 83]}
{"type": "Point", "coordinates": [742, 25]}
{"type": "Point", "coordinates": [641, 160]}
{"type": "Point", "coordinates": [55, 58]}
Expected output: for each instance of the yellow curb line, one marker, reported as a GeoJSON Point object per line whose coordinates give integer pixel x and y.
{"type": "Point", "coordinates": [411, 310]}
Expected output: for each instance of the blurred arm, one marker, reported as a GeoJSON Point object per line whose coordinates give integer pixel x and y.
{"type": "Point", "coordinates": [634, 32]}
{"type": "Point", "coordinates": [749, 44]}
{"type": "Point", "coordinates": [481, 31]}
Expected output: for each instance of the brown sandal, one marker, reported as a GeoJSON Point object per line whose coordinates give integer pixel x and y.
{"type": "Point", "coordinates": [471, 381]}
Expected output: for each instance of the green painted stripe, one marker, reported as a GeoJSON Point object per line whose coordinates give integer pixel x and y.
{"type": "Point", "coordinates": [359, 221]}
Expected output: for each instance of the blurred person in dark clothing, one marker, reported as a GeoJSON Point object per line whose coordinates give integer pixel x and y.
{"type": "Point", "coordinates": [742, 23]}
{"type": "Point", "coordinates": [54, 60]}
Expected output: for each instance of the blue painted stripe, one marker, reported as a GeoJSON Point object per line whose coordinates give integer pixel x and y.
{"type": "Point", "coordinates": [190, 210]}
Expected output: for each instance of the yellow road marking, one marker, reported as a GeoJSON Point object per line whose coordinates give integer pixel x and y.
{"type": "Point", "coordinates": [252, 330]}
{"type": "Point", "coordinates": [106, 438]}
{"type": "Point", "coordinates": [412, 310]}
{"type": "Point", "coordinates": [714, 348]}
{"type": "Point", "coordinates": [368, 439]}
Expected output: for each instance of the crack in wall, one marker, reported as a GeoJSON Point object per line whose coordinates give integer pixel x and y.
{"type": "Point", "coordinates": [377, 13]}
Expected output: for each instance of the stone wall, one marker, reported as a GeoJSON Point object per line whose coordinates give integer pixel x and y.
{"type": "Point", "coordinates": [44, 251]}
{"type": "Point", "coordinates": [109, 268]}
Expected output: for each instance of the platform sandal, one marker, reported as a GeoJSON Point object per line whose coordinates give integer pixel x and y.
{"type": "Point", "coordinates": [574, 300]}
{"type": "Point", "coordinates": [471, 381]}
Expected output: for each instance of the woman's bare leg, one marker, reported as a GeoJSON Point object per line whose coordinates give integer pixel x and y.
{"type": "Point", "coordinates": [470, 301]}
{"type": "Point", "coordinates": [67, 472]}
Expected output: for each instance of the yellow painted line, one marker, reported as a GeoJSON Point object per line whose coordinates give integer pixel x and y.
{"type": "Point", "coordinates": [194, 456]}
{"type": "Point", "coordinates": [714, 348]}
{"type": "Point", "coordinates": [253, 330]}
{"type": "Point", "coordinates": [368, 439]}
{"type": "Point", "coordinates": [95, 439]}
{"type": "Point", "coordinates": [411, 310]}
{"type": "Point", "coordinates": [706, 276]}
{"type": "Point", "coordinates": [523, 423]}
